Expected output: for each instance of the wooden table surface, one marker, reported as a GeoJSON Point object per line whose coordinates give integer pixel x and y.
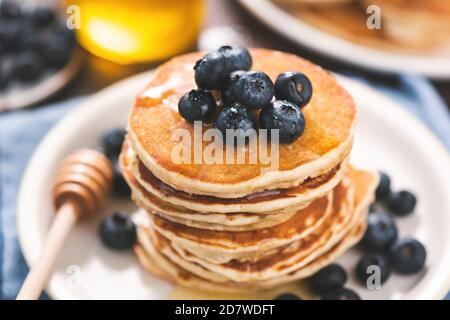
{"type": "Point", "coordinates": [98, 73]}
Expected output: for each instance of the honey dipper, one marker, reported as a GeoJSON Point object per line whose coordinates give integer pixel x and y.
{"type": "Point", "coordinates": [81, 187]}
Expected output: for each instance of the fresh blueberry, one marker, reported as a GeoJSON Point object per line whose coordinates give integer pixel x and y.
{"type": "Point", "coordinates": [118, 231]}
{"type": "Point", "coordinates": [235, 117]}
{"type": "Point", "coordinates": [211, 71]}
{"type": "Point", "coordinates": [402, 203]}
{"type": "Point", "coordinates": [9, 35]}
{"type": "Point", "coordinates": [10, 9]}
{"type": "Point", "coordinates": [237, 58]}
{"type": "Point", "coordinates": [41, 16]}
{"type": "Point", "coordinates": [380, 234]}
{"type": "Point", "coordinates": [197, 105]}
{"type": "Point", "coordinates": [4, 80]}
{"type": "Point", "coordinates": [331, 277]}
{"type": "Point", "coordinates": [294, 87]}
{"type": "Point", "coordinates": [120, 186]}
{"type": "Point", "coordinates": [27, 67]}
{"type": "Point", "coordinates": [112, 142]}
{"type": "Point", "coordinates": [408, 256]}
{"type": "Point", "coordinates": [372, 208]}
{"type": "Point", "coordinates": [254, 89]}
{"type": "Point", "coordinates": [384, 187]}
{"type": "Point", "coordinates": [29, 39]}
{"type": "Point", "coordinates": [363, 270]}
{"type": "Point", "coordinates": [56, 51]}
{"type": "Point", "coordinates": [228, 94]}
{"type": "Point", "coordinates": [287, 296]}
{"type": "Point", "coordinates": [341, 294]}
{"type": "Point", "coordinates": [285, 117]}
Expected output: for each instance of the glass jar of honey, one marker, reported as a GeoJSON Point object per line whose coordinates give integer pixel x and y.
{"type": "Point", "coordinates": [137, 31]}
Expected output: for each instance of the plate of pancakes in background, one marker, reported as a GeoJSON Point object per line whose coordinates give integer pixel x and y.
{"type": "Point", "coordinates": [414, 36]}
{"type": "Point", "coordinates": [216, 232]}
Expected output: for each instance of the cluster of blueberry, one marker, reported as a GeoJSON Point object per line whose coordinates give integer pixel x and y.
{"type": "Point", "coordinates": [381, 246]}
{"type": "Point", "coordinates": [242, 92]}
{"type": "Point", "coordinates": [32, 41]}
{"type": "Point", "coordinates": [117, 231]}
{"type": "Point", "coordinates": [384, 249]}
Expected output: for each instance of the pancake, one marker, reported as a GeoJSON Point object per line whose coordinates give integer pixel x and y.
{"type": "Point", "coordinates": [326, 142]}
{"type": "Point", "coordinates": [262, 202]}
{"type": "Point", "coordinates": [269, 272]}
{"type": "Point", "coordinates": [397, 33]}
{"type": "Point", "coordinates": [157, 264]}
{"type": "Point", "coordinates": [314, 2]}
{"type": "Point", "coordinates": [286, 259]}
{"type": "Point", "coordinates": [218, 245]}
{"type": "Point", "coordinates": [212, 221]}
{"type": "Point", "coordinates": [416, 22]}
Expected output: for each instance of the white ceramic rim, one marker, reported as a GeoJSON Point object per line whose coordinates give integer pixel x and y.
{"type": "Point", "coordinates": [436, 289]}
{"type": "Point", "coordinates": [335, 47]}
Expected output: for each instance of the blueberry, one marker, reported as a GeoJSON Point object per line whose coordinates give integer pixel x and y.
{"type": "Point", "coordinates": [294, 87]}
{"type": "Point", "coordinates": [9, 9]}
{"type": "Point", "coordinates": [9, 35]}
{"type": "Point", "coordinates": [120, 185]}
{"type": "Point", "coordinates": [29, 39]}
{"type": "Point", "coordinates": [285, 117]}
{"type": "Point", "coordinates": [408, 256]}
{"type": "Point", "coordinates": [197, 105]}
{"type": "Point", "coordinates": [4, 80]}
{"type": "Point", "coordinates": [254, 89]}
{"type": "Point", "coordinates": [237, 58]}
{"type": "Point", "coordinates": [341, 294]}
{"type": "Point", "coordinates": [235, 117]}
{"type": "Point", "coordinates": [384, 187]}
{"type": "Point", "coordinates": [228, 94]}
{"type": "Point", "coordinates": [211, 71]}
{"type": "Point", "coordinates": [56, 51]}
{"type": "Point", "coordinates": [380, 234]}
{"type": "Point", "coordinates": [118, 231]}
{"type": "Point", "coordinates": [401, 203]}
{"type": "Point", "coordinates": [331, 277]}
{"type": "Point", "coordinates": [363, 271]}
{"type": "Point", "coordinates": [27, 66]}
{"type": "Point", "coordinates": [112, 142]}
{"type": "Point", "coordinates": [42, 16]}
{"type": "Point", "coordinates": [287, 296]}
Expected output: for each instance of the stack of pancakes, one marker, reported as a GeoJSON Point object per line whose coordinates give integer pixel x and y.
{"type": "Point", "coordinates": [234, 227]}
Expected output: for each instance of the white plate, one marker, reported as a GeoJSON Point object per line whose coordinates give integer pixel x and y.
{"type": "Point", "coordinates": [388, 138]}
{"type": "Point", "coordinates": [335, 47]}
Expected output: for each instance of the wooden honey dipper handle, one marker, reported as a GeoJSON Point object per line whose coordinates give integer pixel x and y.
{"type": "Point", "coordinates": [80, 189]}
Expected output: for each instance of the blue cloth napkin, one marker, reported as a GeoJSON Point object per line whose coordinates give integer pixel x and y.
{"type": "Point", "coordinates": [21, 131]}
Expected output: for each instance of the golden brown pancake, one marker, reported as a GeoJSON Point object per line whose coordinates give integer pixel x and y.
{"type": "Point", "coordinates": [313, 2]}
{"type": "Point", "coordinates": [299, 225]}
{"type": "Point", "coordinates": [287, 258]}
{"type": "Point", "coordinates": [416, 23]}
{"type": "Point", "coordinates": [327, 139]}
{"type": "Point", "coordinates": [212, 221]}
{"type": "Point", "coordinates": [157, 264]}
{"type": "Point", "coordinates": [405, 27]}
{"type": "Point", "coordinates": [292, 269]}
{"type": "Point", "coordinates": [266, 202]}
